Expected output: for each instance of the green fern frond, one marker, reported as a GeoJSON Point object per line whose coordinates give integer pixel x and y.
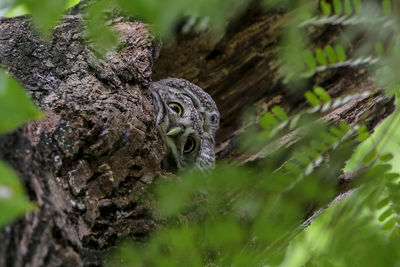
{"type": "Point", "coordinates": [307, 158]}
{"type": "Point", "coordinates": [348, 20]}
{"type": "Point", "coordinates": [350, 63]}
{"type": "Point", "coordinates": [340, 7]}
{"type": "Point", "coordinates": [320, 101]}
{"type": "Point", "coordinates": [331, 58]}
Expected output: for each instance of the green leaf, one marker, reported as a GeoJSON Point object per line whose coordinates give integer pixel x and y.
{"type": "Point", "coordinates": [386, 7]}
{"type": "Point", "coordinates": [261, 136]}
{"type": "Point", "coordinates": [311, 98]}
{"type": "Point", "coordinates": [378, 171]}
{"type": "Point", "coordinates": [160, 14]}
{"type": "Point", "coordinates": [294, 121]}
{"type": "Point", "coordinates": [180, 239]}
{"type": "Point", "coordinates": [310, 152]}
{"type": "Point", "coordinates": [386, 157]}
{"type": "Point", "coordinates": [18, 10]}
{"type": "Point", "coordinates": [321, 57]}
{"type": "Point", "coordinates": [15, 106]}
{"type": "Point", "coordinates": [71, 3]}
{"type": "Point", "coordinates": [45, 13]}
{"type": "Point", "coordinates": [307, 74]}
{"type": "Point", "coordinates": [293, 168]}
{"type": "Point", "coordinates": [344, 126]}
{"type": "Point", "coordinates": [288, 77]}
{"type": "Point", "coordinates": [383, 203]}
{"type": "Point", "coordinates": [171, 204]}
{"type": "Point", "coordinates": [337, 6]}
{"type": "Point", "coordinates": [101, 37]}
{"type": "Point", "coordinates": [330, 139]}
{"type": "Point", "coordinates": [13, 201]}
{"type": "Point", "coordinates": [268, 120]}
{"type": "Point", "coordinates": [385, 214]}
{"type": "Point", "coordinates": [301, 158]}
{"type": "Point", "coordinates": [322, 94]}
{"type": "Point", "coordinates": [337, 131]}
{"type": "Point", "coordinates": [391, 176]}
{"type": "Point", "coordinates": [389, 224]}
{"type": "Point", "coordinates": [379, 49]}
{"type": "Point", "coordinates": [395, 234]}
{"type": "Point", "coordinates": [347, 7]}
{"type": "Point", "coordinates": [8, 4]}
{"type": "Point", "coordinates": [224, 232]}
{"type": "Point", "coordinates": [370, 157]}
{"type": "Point", "coordinates": [357, 5]}
{"type": "Point", "coordinates": [340, 53]}
{"type": "Point", "coordinates": [318, 146]}
{"type": "Point", "coordinates": [362, 137]}
{"type": "Point", "coordinates": [363, 133]}
{"type": "Point", "coordinates": [392, 89]}
{"type": "Point", "coordinates": [330, 52]}
{"type": "Point", "coordinates": [309, 59]}
{"type": "Point", "coordinates": [280, 113]}
{"type": "Point", "coordinates": [326, 8]}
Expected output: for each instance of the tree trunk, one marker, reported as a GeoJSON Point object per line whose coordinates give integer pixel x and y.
{"type": "Point", "coordinates": [88, 164]}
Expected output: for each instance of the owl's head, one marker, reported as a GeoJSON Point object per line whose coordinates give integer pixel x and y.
{"type": "Point", "coordinates": [187, 119]}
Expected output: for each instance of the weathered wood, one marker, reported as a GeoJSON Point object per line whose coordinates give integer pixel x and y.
{"type": "Point", "coordinates": [240, 70]}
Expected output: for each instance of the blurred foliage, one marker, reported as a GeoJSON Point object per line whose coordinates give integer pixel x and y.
{"type": "Point", "coordinates": [13, 200]}
{"type": "Point", "coordinates": [15, 108]}
{"type": "Point", "coordinates": [164, 16]}
{"type": "Point", "coordinates": [256, 215]}
{"type": "Point", "coordinates": [385, 139]}
{"type": "Point", "coordinates": [37, 8]}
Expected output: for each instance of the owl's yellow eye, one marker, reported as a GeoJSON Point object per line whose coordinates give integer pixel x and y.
{"type": "Point", "coordinates": [177, 108]}
{"type": "Point", "coordinates": [189, 145]}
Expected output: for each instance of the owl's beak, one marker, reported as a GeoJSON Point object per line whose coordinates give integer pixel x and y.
{"type": "Point", "coordinates": [174, 131]}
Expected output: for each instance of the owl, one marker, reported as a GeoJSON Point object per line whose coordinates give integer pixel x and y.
{"type": "Point", "coordinates": [187, 119]}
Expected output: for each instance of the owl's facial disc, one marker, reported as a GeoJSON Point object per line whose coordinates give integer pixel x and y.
{"type": "Point", "coordinates": [187, 119]}
{"type": "Point", "coordinates": [180, 130]}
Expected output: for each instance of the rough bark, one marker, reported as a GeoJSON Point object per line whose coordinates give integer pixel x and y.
{"type": "Point", "coordinates": [89, 162]}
